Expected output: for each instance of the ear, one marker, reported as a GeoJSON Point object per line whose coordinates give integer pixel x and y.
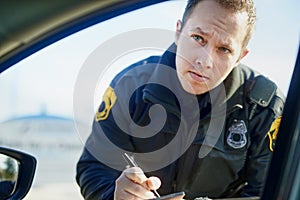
{"type": "Point", "coordinates": [178, 30]}
{"type": "Point", "coordinates": [243, 54]}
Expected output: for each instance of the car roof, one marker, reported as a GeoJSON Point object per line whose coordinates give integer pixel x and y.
{"type": "Point", "coordinates": [28, 26]}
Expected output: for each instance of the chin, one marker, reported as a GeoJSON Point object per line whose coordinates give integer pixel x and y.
{"type": "Point", "coordinates": [195, 90]}
{"type": "Point", "coordinates": [191, 87]}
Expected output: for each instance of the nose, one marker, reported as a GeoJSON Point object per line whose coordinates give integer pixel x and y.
{"type": "Point", "coordinates": [204, 58]}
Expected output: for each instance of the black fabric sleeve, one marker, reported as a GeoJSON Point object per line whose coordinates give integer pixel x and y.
{"type": "Point", "coordinates": [101, 162]}
{"type": "Point", "coordinates": [259, 154]}
{"type": "Point", "coordinates": [96, 180]}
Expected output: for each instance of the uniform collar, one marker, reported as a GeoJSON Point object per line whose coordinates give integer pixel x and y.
{"type": "Point", "coordinates": [165, 71]}
{"type": "Point", "coordinates": [235, 87]}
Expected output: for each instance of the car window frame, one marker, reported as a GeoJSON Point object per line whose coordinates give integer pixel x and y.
{"type": "Point", "coordinates": [284, 166]}
{"type": "Point", "coordinates": [70, 27]}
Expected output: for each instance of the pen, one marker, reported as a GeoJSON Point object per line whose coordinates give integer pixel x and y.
{"type": "Point", "coordinates": [130, 160]}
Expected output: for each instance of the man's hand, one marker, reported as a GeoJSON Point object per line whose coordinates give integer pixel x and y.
{"type": "Point", "coordinates": [133, 185]}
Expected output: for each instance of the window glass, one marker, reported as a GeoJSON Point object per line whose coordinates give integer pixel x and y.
{"type": "Point", "coordinates": [37, 94]}
{"type": "Point", "coordinates": [37, 97]}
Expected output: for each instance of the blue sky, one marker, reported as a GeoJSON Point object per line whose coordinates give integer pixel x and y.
{"type": "Point", "coordinates": [46, 79]}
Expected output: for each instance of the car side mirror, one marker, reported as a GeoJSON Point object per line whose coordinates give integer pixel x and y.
{"type": "Point", "coordinates": [17, 171]}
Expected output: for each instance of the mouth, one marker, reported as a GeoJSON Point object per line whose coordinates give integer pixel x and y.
{"type": "Point", "coordinates": [198, 77]}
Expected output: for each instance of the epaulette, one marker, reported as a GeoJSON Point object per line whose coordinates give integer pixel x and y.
{"type": "Point", "coordinates": [260, 93]}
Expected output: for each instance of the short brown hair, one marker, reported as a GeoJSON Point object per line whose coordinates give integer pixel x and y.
{"type": "Point", "coordinates": [232, 5]}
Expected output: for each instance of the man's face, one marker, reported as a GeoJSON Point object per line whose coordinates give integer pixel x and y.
{"type": "Point", "coordinates": [209, 46]}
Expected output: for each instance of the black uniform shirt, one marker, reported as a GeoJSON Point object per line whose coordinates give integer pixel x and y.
{"type": "Point", "coordinates": [205, 145]}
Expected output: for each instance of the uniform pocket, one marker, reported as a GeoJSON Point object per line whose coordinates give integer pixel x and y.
{"type": "Point", "coordinates": [213, 173]}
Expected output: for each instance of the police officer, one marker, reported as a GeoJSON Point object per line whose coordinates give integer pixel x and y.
{"type": "Point", "coordinates": [195, 118]}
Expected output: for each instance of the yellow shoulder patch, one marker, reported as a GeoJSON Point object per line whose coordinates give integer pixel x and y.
{"type": "Point", "coordinates": [108, 101]}
{"type": "Point", "coordinates": [273, 132]}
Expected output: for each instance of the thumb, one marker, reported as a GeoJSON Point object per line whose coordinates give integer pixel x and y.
{"type": "Point", "coordinates": [153, 183]}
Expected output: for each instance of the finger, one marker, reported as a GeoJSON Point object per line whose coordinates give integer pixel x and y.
{"type": "Point", "coordinates": [135, 174]}
{"type": "Point", "coordinates": [153, 183]}
{"type": "Point", "coordinates": [121, 185]}
{"type": "Point", "coordinates": [124, 195]}
{"type": "Point", "coordinates": [136, 190]}
{"type": "Point", "coordinates": [139, 191]}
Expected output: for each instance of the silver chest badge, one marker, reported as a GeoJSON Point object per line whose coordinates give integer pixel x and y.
{"type": "Point", "coordinates": [237, 134]}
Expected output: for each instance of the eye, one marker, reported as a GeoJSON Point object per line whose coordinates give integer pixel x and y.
{"type": "Point", "coordinates": [199, 39]}
{"type": "Point", "coordinates": [224, 50]}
